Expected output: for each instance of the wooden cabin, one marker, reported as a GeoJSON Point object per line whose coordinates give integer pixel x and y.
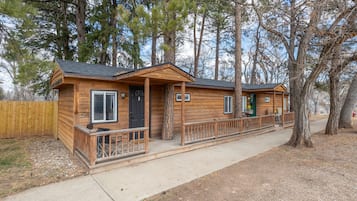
{"type": "Point", "coordinates": [122, 99]}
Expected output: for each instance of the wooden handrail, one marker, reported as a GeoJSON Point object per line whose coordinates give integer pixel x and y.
{"type": "Point", "coordinates": [107, 145]}
{"type": "Point", "coordinates": [99, 133]}
{"type": "Point", "coordinates": [205, 130]}
{"type": "Point", "coordinates": [222, 120]}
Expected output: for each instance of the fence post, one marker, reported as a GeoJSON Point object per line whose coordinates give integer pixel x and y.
{"type": "Point", "coordinates": [146, 140]}
{"type": "Point", "coordinates": [274, 116]}
{"type": "Point", "coordinates": [215, 128]}
{"type": "Point", "coordinates": [241, 124]}
{"type": "Point", "coordinates": [92, 149]}
{"type": "Point", "coordinates": [260, 121]}
{"type": "Point", "coordinates": [283, 119]}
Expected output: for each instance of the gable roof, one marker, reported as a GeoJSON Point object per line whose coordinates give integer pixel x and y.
{"type": "Point", "coordinates": [165, 71]}
{"type": "Point", "coordinates": [78, 69]}
{"type": "Point", "coordinates": [98, 71]}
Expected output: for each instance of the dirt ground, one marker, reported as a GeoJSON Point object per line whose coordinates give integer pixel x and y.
{"type": "Point", "coordinates": [35, 161]}
{"type": "Point", "coordinates": [326, 172]}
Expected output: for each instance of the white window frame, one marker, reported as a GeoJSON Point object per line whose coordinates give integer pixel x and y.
{"type": "Point", "coordinates": [228, 104]}
{"type": "Point", "coordinates": [244, 103]}
{"type": "Point", "coordinates": [115, 109]}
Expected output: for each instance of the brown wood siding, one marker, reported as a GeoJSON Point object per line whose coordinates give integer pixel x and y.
{"type": "Point", "coordinates": [166, 74]}
{"type": "Point", "coordinates": [57, 77]}
{"type": "Point", "coordinates": [264, 108]}
{"type": "Point", "coordinates": [84, 103]}
{"type": "Point", "coordinates": [66, 115]}
{"type": "Point", "coordinates": [205, 104]}
{"type": "Point", "coordinates": [157, 110]}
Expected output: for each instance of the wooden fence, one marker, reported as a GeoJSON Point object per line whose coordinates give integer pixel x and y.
{"type": "Point", "coordinates": [28, 118]}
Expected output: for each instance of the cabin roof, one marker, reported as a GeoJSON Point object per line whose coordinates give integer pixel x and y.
{"type": "Point", "coordinates": [199, 82]}
{"type": "Point", "coordinates": [78, 69]}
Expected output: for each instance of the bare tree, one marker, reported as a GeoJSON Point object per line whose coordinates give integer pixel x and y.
{"type": "Point", "coordinates": [327, 37]}
{"type": "Point", "coordinates": [335, 97]}
{"type": "Point", "coordinates": [345, 120]}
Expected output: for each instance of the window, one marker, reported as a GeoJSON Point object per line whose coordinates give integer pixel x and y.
{"type": "Point", "coordinates": [179, 97]}
{"type": "Point", "coordinates": [244, 103]}
{"type": "Point", "coordinates": [227, 104]}
{"type": "Point", "coordinates": [104, 106]}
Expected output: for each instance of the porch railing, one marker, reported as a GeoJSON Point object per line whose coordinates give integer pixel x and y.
{"type": "Point", "coordinates": [288, 119]}
{"type": "Point", "coordinates": [205, 130]}
{"type": "Point", "coordinates": [107, 145]}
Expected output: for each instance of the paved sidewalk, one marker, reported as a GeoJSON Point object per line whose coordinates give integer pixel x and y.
{"type": "Point", "coordinates": [146, 179]}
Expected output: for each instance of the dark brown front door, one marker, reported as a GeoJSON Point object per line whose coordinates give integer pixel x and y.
{"type": "Point", "coordinates": [136, 106]}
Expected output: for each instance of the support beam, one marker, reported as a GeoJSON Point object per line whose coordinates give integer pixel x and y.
{"type": "Point", "coordinates": [274, 106]}
{"type": "Point", "coordinates": [282, 108]}
{"type": "Point", "coordinates": [183, 89]}
{"type": "Point", "coordinates": [147, 110]}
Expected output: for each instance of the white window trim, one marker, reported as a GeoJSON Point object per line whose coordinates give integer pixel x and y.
{"type": "Point", "coordinates": [94, 92]}
{"type": "Point", "coordinates": [230, 106]}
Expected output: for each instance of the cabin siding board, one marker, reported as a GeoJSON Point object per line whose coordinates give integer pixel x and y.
{"type": "Point", "coordinates": [66, 116]}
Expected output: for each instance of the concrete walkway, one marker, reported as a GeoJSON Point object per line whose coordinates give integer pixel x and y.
{"type": "Point", "coordinates": [146, 179]}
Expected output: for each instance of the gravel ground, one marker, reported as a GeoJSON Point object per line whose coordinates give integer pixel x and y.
{"type": "Point", "coordinates": [326, 172]}
{"type": "Point", "coordinates": [49, 162]}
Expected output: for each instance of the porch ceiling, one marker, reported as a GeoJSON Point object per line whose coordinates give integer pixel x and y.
{"type": "Point", "coordinates": [160, 74]}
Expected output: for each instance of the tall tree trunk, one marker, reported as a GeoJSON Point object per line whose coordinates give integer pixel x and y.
{"type": "Point", "coordinates": [114, 33]}
{"type": "Point", "coordinates": [81, 28]}
{"type": "Point", "coordinates": [197, 47]}
{"type": "Point", "coordinates": [218, 40]}
{"type": "Point", "coordinates": [332, 122]}
{"type": "Point", "coordinates": [136, 59]}
{"type": "Point", "coordinates": [170, 46]}
{"type": "Point", "coordinates": [348, 106]}
{"type": "Point", "coordinates": [154, 33]}
{"type": "Point", "coordinates": [301, 132]}
{"type": "Point", "coordinates": [169, 56]}
{"type": "Point", "coordinates": [291, 49]}
{"type": "Point", "coordinates": [153, 47]}
{"type": "Point", "coordinates": [253, 79]}
{"type": "Point", "coordinates": [195, 67]}
{"type": "Point", "coordinates": [168, 125]}
{"type": "Point", "coordinates": [65, 32]}
{"type": "Point", "coordinates": [238, 61]}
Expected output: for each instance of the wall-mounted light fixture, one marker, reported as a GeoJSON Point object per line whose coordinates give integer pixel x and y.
{"type": "Point", "coordinates": [122, 95]}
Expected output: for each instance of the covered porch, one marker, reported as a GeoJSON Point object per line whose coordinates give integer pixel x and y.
{"type": "Point", "coordinates": [96, 146]}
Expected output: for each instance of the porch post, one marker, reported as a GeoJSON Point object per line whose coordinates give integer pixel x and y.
{"type": "Point", "coordinates": [274, 106]}
{"type": "Point", "coordinates": [282, 108]}
{"type": "Point", "coordinates": [147, 105]}
{"type": "Point", "coordinates": [183, 88]}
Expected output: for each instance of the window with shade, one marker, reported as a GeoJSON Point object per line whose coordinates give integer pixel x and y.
{"type": "Point", "coordinates": [104, 106]}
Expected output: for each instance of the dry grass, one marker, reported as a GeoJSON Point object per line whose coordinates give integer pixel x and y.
{"type": "Point", "coordinates": [328, 171]}
{"type": "Point", "coordinates": [34, 161]}
{"type": "Point", "coordinates": [13, 159]}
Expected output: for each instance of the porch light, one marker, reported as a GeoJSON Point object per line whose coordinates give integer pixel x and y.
{"type": "Point", "coordinates": [122, 95]}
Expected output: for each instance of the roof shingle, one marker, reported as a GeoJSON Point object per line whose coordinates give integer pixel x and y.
{"type": "Point", "coordinates": [103, 71]}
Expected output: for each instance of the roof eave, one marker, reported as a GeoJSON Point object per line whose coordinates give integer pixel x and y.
{"type": "Point", "coordinates": [69, 75]}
